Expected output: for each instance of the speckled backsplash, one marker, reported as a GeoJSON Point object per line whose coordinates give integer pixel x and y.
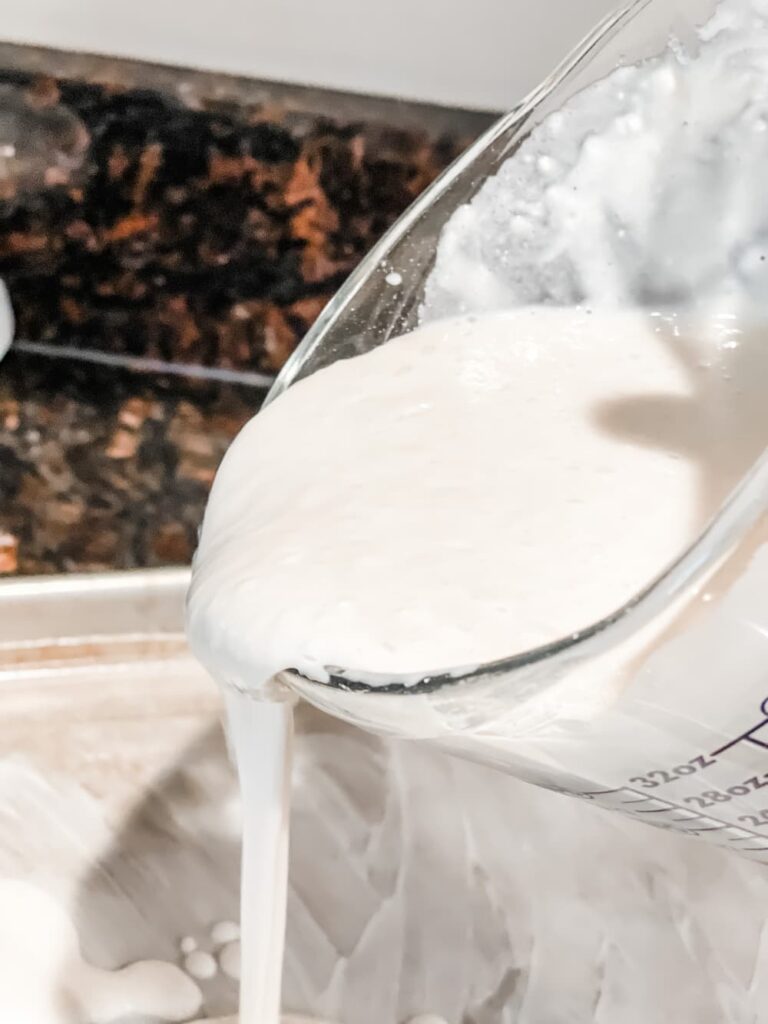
{"type": "Point", "coordinates": [175, 220]}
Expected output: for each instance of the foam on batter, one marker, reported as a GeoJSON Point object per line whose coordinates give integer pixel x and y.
{"type": "Point", "coordinates": [647, 188]}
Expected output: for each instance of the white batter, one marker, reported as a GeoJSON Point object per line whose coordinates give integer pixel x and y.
{"type": "Point", "coordinates": [261, 733]}
{"type": "Point", "coordinates": [466, 493]}
{"type": "Point", "coordinates": [485, 486]}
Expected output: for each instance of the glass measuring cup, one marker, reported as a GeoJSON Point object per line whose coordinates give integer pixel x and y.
{"type": "Point", "coordinates": [661, 710]}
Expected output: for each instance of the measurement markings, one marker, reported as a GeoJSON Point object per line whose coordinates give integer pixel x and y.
{"type": "Point", "coordinates": [749, 735]}
{"type": "Point", "coordinates": [635, 804]}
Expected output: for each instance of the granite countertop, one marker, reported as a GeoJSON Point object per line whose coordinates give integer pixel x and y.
{"type": "Point", "coordinates": [171, 223]}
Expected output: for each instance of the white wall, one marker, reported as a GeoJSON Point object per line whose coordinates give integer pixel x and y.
{"type": "Point", "coordinates": [478, 53]}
